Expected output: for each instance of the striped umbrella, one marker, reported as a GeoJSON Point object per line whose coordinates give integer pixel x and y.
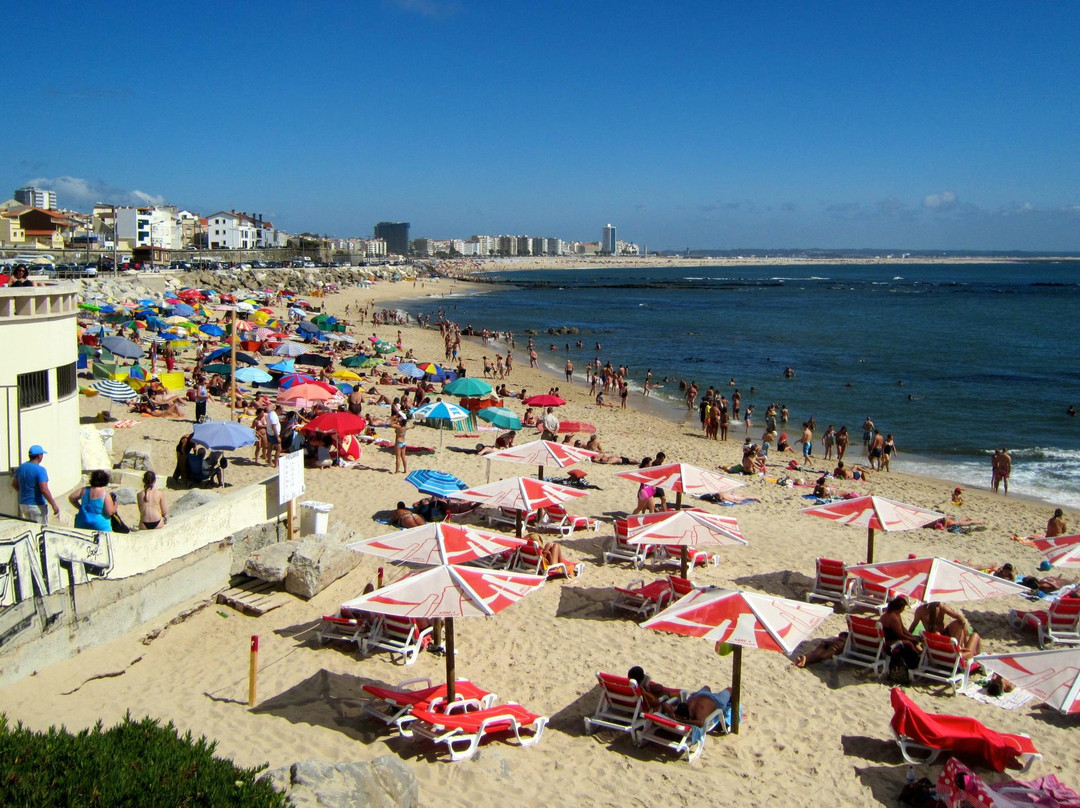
{"type": "Point", "coordinates": [115, 391]}
{"type": "Point", "coordinates": [439, 413]}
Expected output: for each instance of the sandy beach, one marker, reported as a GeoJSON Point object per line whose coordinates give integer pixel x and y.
{"type": "Point", "coordinates": [804, 729]}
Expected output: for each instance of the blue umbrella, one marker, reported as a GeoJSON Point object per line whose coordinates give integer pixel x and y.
{"type": "Point", "coordinates": [284, 366]}
{"type": "Point", "coordinates": [290, 349]}
{"type": "Point", "coordinates": [221, 353]}
{"type": "Point", "coordinates": [122, 347]}
{"type": "Point", "coordinates": [183, 309]}
{"type": "Point", "coordinates": [411, 370]}
{"type": "Point", "coordinates": [439, 483]}
{"type": "Point", "coordinates": [441, 411]}
{"type": "Point", "coordinates": [254, 375]}
{"type": "Point", "coordinates": [156, 323]}
{"type": "Point", "coordinates": [137, 372]}
{"type": "Point", "coordinates": [225, 435]}
{"type": "Point", "coordinates": [212, 329]}
{"type": "Point", "coordinates": [308, 327]}
{"type": "Point", "coordinates": [467, 386]}
{"type": "Point", "coordinates": [215, 354]}
{"type": "Point", "coordinates": [108, 308]}
{"type": "Point", "coordinates": [169, 336]}
{"type": "Point", "coordinates": [344, 388]}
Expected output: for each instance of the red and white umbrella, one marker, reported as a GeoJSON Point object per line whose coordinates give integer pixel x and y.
{"type": "Point", "coordinates": [741, 619]}
{"type": "Point", "coordinates": [574, 427]}
{"type": "Point", "coordinates": [682, 478]}
{"type": "Point", "coordinates": [522, 494]}
{"type": "Point", "coordinates": [875, 513]}
{"type": "Point", "coordinates": [1061, 551]}
{"type": "Point", "coordinates": [542, 453]}
{"type": "Point", "coordinates": [935, 579]}
{"type": "Point", "coordinates": [683, 529]}
{"type": "Point", "coordinates": [448, 591]}
{"type": "Point", "coordinates": [1053, 676]}
{"type": "Point", "coordinates": [438, 543]}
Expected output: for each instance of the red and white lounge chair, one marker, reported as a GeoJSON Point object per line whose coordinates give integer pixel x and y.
{"type": "Point", "coordinates": [345, 629]}
{"type": "Point", "coordinates": [681, 737]}
{"type": "Point", "coordinates": [620, 707]}
{"type": "Point", "coordinates": [868, 596]}
{"type": "Point", "coordinates": [400, 636]}
{"type": "Point", "coordinates": [462, 728]}
{"type": "Point", "coordinates": [619, 550]}
{"type": "Point", "coordinates": [922, 736]}
{"type": "Point", "coordinates": [865, 645]}
{"type": "Point", "coordinates": [566, 523]}
{"type": "Point", "coordinates": [394, 705]}
{"type": "Point", "coordinates": [941, 661]}
{"type": "Point", "coordinates": [642, 599]}
{"type": "Point", "coordinates": [1059, 623]}
{"type": "Point", "coordinates": [528, 558]}
{"type": "Point", "coordinates": [832, 584]}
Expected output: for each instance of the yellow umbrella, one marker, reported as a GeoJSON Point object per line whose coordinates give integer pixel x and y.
{"type": "Point", "coordinates": [346, 375]}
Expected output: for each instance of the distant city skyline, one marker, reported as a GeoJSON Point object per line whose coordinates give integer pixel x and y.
{"type": "Point", "coordinates": [702, 125]}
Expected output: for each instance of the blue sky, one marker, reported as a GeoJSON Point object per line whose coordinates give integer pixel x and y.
{"type": "Point", "coordinates": [702, 124]}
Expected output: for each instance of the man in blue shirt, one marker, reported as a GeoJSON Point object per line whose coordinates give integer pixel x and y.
{"type": "Point", "coordinates": [32, 482]}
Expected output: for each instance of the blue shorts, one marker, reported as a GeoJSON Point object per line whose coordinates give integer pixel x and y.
{"type": "Point", "coordinates": [807, 448]}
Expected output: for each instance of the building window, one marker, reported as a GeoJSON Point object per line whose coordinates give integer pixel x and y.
{"type": "Point", "coordinates": [66, 383]}
{"type": "Point", "coordinates": [33, 388]}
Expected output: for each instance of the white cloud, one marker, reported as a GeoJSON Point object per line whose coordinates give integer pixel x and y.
{"type": "Point", "coordinates": [942, 201]}
{"type": "Point", "coordinates": [77, 192]}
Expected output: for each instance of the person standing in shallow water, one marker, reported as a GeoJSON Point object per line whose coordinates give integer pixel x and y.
{"type": "Point", "coordinates": [841, 442]}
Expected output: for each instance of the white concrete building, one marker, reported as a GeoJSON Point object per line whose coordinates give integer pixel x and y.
{"type": "Point", "coordinates": [36, 198]}
{"type": "Point", "coordinates": [149, 227]}
{"type": "Point", "coordinates": [229, 230]}
{"type": "Point", "coordinates": [485, 245]}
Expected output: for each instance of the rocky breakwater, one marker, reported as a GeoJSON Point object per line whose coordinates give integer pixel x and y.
{"type": "Point", "coordinates": [302, 281]}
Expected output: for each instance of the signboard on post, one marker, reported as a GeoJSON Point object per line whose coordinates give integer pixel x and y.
{"type": "Point", "coordinates": [290, 476]}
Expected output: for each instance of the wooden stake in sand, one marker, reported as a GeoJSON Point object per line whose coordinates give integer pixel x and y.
{"type": "Point", "coordinates": [253, 669]}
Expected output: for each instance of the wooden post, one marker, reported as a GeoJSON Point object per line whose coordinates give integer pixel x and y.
{"type": "Point", "coordinates": [437, 631]}
{"type": "Point", "coordinates": [380, 585]}
{"type": "Point", "coordinates": [678, 500]}
{"type": "Point", "coordinates": [519, 524]}
{"type": "Point", "coordinates": [451, 673]}
{"type": "Point", "coordinates": [253, 669]}
{"type": "Point", "coordinates": [869, 545]}
{"type": "Point", "coordinates": [540, 472]}
{"type": "Point", "coordinates": [736, 689]}
{"type": "Point", "coordinates": [290, 516]}
{"type": "Point", "coordinates": [685, 567]}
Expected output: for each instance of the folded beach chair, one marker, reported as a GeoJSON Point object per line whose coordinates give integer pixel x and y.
{"type": "Point", "coordinates": [865, 645]}
{"type": "Point", "coordinates": [832, 584]}
{"type": "Point", "coordinates": [942, 661]}
{"type": "Point", "coordinates": [400, 636]}
{"type": "Point", "coordinates": [923, 736]}
{"type": "Point", "coordinates": [641, 599]}
{"type": "Point", "coordinates": [394, 705]}
{"type": "Point", "coordinates": [347, 629]}
{"type": "Point", "coordinates": [866, 595]}
{"type": "Point", "coordinates": [462, 728]}
{"type": "Point", "coordinates": [1059, 623]}
{"type": "Point", "coordinates": [619, 550]}
{"type": "Point", "coordinates": [682, 738]}
{"type": "Point", "coordinates": [620, 706]}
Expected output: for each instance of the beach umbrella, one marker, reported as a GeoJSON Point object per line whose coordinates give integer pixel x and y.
{"type": "Point", "coordinates": [436, 544]}
{"type": "Point", "coordinates": [371, 361]}
{"type": "Point", "coordinates": [263, 334]}
{"type": "Point", "coordinates": [874, 513]}
{"type": "Point", "coordinates": [467, 386]}
{"type": "Point", "coordinates": [343, 423]}
{"type": "Point", "coordinates": [439, 413]}
{"type": "Point", "coordinates": [108, 308]}
{"type": "Point", "coordinates": [253, 375]}
{"type": "Point", "coordinates": [345, 338]}
{"type": "Point", "coordinates": [935, 579]}
{"type": "Point", "coordinates": [355, 361]}
{"type": "Point", "coordinates": [122, 347]}
{"type": "Point", "coordinates": [223, 435]}
{"type": "Point", "coordinates": [522, 494]}
{"type": "Point", "coordinates": [169, 336]}
{"type": "Point", "coordinates": [385, 347]}
{"type": "Point", "coordinates": [345, 375]}
{"type": "Point", "coordinates": [183, 309]}
{"type": "Point", "coordinates": [292, 349]}
{"type": "Point", "coordinates": [314, 360]}
{"type": "Point", "coordinates": [682, 478]}
{"type": "Point", "coordinates": [137, 372]}
{"type": "Point", "coordinates": [89, 307]}
{"type": "Point", "coordinates": [438, 483]}
{"type": "Point", "coordinates": [308, 327]}
{"type": "Point", "coordinates": [448, 591]}
{"type": "Point", "coordinates": [304, 395]}
{"type": "Point", "coordinates": [730, 618]}
{"type": "Point", "coordinates": [218, 367]}
{"type": "Point", "coordinates": [284, 366]}
{"type": "Point", "coordinates": [1061, 551]}
{"type": "Point", "coordinates": [683, 529]}
{"type": "Point", "coordinates": [544, 400]}
{"type": "Point", "coordinates": [501, 417]}
{"type": "Point", "coordinates": [410, 370]}
{"type": "Point", "coordinates": [574, 427]}
{"type": "Point", "coordinates": [430, 368]}
{"type": "Point", "coordinates": [291, 379]}
{"type": "Point", "coordinates": [217, 353]}
{"type": "Point", "coordinates": [115, 391]}
{"type": "Point", "coordinates": [1053, 676]}
{"type": "Point", "coordinates": [542, 453]}
{"type": "Point", "coordinates": [212, 329]}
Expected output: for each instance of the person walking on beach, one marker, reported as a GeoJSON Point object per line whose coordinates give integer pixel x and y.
{"type": "Point", "coordinates": [828, 440]}
{"type": "Point", "coordinates": [31, 480]}
{"type": "Point", "coordinates": [888, 449]}
{"type": "Point", "coordinates": [1001, 464]}
{"type": "Point", "coordinates": [624, 395]}
{"type": "Point", "coordinates": [569, 369]}
{"type": "Point", "coordinates": [841, 443]}
{"type": "Point", "coordinates": [736, 400]}
{"type": "Point", "coordinates": [724, 419]}
{"type": "Point", "coordinates": [877, 449]}
{"type": "Point", "coordinates": [400, 426]}
{"type": "Point", "coordinates": [746, 417]}
{"type": "Point", "coordinates": [807, 443]}
{"type": "Point", "coordinates": [867, 433]}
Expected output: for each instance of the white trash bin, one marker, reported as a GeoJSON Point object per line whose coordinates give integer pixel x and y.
{"type": "Point", "coordinates": [106, 438]}
{"type": "Point", "coordinates": [315, 517]}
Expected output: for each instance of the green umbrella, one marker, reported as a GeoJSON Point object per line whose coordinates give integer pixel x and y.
{"type": "Point", "coordinates": [357, 361]}
{"type": "Point", "coordinates": [467, 386]}
{"type": "Point", "coordinates": [218, 367]}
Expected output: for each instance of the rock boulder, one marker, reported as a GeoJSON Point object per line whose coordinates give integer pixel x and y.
{"type": "Point", "coordinates": [317, 564]}
{"type": "Point", "coordinates": [136, 460]}
{"type": "Point", "coordinates": [271, 563]}
{"type": "Point", "coordinates": [384, 782]}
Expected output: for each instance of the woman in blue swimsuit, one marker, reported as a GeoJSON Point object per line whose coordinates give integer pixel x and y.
{"type": "Point", "coordinates": [95, 505]}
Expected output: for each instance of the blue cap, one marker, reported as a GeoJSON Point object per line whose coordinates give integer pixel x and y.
{"type": "Point", "coordinates": [36, 450]}
{"type": "Point", "coordinates": [1045, 566]}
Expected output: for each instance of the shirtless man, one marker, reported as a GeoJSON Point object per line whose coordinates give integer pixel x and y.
{"type": "Point", "coordinates": [867, 433]}
{"type": "Point", "coordinates": [1056, 525]}
{"type": "Point", "coordinates": [1004, 469]}
{"type": "Point", "coordinates": [877, 448]}
{"type": "Point", "coordinates": [807, 441]}
{"type": "Point", "coordinates": [400, 427]}
{"type": "Point", "coordinates": [569, 371]}
{"type": "Point", "coordinates": [825, 648]}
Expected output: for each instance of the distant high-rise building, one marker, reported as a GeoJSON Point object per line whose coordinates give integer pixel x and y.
{"type": "Point", "coordinates": [396, 236]}
{"type": "Point", "coordinates": [36, 198]}
{"type": "Point", "coordinates": [607, 244]}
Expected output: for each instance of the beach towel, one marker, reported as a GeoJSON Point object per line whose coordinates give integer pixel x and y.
{"type": "Point", "coordinates": [1007, 701]}
{"type": "Point", "coordinates": [127, 423]}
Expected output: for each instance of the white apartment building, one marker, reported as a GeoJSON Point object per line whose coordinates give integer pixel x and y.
{"type": "Point", "coordinates": [156, 226]}
{"type": "Point", "coordinates": [485, 245]}
{"type": "Point", "coordinates": [374, 247]}
{"type": "Point", "coordinates": [229, 230]}
{"type": "Point", "coordinates": [470, 249]}
{"type": "Point", "coordinates": [554, 246]}
{"type": "Point", "coordinates": [508, 245]}
{"type": "Point", "coordinates": [36, 198]}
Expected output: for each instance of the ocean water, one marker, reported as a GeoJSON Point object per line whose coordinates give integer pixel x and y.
{"type": "Point", "coordinates": [954, 360]}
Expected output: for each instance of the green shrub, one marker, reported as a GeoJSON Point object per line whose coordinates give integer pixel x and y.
{"type": "Point", "coordinates": [135, 763]}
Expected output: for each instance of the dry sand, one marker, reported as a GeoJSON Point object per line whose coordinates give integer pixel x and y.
{"type": "Point", "coordinates": [804, 730]}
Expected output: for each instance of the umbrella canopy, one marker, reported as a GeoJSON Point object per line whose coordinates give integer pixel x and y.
{"type": "Point", "coordinates": [682, 478]}
{"type": "Point", "coordinates": [544, 400]}
{"type": "Point", "coordinates": [345, 376]}
{"type": "Point", "coordinates": [293, 379]}
{"type": "Point", "coordinates": [1061, 551]}
{"type": "Point", "coordinates": [501, 417]}
{"type": "Point", "coordinates": [315, 360]}
{"type": "Point", "coordinates": [523, 494]}
{"type": "Point", "coordinates": [358, 361]}
{"type": "Point", "coordinates": [683, 529]}
{"type": "Point", "coordinates": [308, 327]}
{"type": "Point", "coordinates": [441, 411]}
{"type": "Point", "coordinates": [1053, 676]}
{"type": "Point", "coordinates": [115, 391]}
{"type": "Point", "coordinates": [935, 579]}
{"type": "Point", "coordinates": [467, 386]}
{"type": "Point", "coordinates": [438, 543]}
{"type": "Point", "coordinates": [439, 483]}
{"type": "Point", "coordinates": [410, 370]}
{"type": "Point", "coordinates": [430, 368]}
{"type": "Point", "coordinates": [875, 513]}
{"type": "Point", "coordinates": [212, 329]}
{"type": "Point", "coordinates": [574, 427]}
{"type": "Point", "coordinates": [254, 375]}
{"type": "Point", "coordinates": [343, 423]}
{"type": "Point", "coordinates": [290, 349]}
{"type": "Point", "coordinates": [122, 347]}
{"type": "Point", "coordinates": [284, 366]}
{"type": "Point", "coordinates": [223, 435]}
{"type": "Point", "coordinates": [741, 619]}
{"type": "Point", "coordinates": [385, 347]}
{"type": "Point", "coordinates": [542, 453]}
{"type": "Point", "coordinates": [218, 367]}
{"type": "Point", "coordinates": [302, 395]}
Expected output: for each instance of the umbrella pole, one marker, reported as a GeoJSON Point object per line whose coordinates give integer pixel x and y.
{"type": "Point", "coordinates": [736, 689]}
{"type": "Point", "coordinates": [451, 674]}
{"type": "Point", "coordinates": [232, 364]}
{"type": "Point", "coordinates": [685, 555]}
{"type": "Point", "coordinates": [540, 472]}
{"type": "Point", "coordinates": [678, 500]}
{"type": "Point", "coordinates": [519, 524]}
{"type": "Point", "coordinates": [869, 545]}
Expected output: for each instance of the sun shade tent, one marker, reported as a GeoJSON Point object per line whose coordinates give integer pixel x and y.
{"type": "Point", "coordinates": [741, 619]}
{"type": "Point", "coordinates": [684, 529]}
{"type": "Point", "coordinates": [875, 513]}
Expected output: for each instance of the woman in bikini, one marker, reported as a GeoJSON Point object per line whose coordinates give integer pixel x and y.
{"type": "Point", "coordinates": [151, 501]}
{"type": "Point", "coordinates": [932, 617]}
